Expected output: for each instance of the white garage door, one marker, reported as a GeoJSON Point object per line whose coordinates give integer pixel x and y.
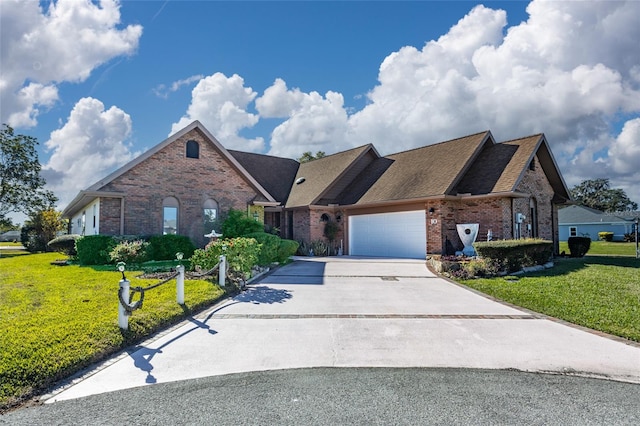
{"type": "Point", "coordinates": [399, 234]}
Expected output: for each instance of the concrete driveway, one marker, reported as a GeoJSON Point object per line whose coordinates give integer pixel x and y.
{"type": "Point", "coordinates": [359, 312]}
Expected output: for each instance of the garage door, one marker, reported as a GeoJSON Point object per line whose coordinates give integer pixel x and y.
{"type": "Point", "coordinates": [399, 234]}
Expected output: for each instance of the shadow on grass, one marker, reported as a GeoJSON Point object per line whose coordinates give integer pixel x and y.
{"type": "Point", "coordinates": [5, 254]}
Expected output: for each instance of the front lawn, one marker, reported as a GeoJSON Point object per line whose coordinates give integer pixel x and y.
{"type": "Point", "coordinates": [56, 320]}
{"type": "Point", "coordinates": [605, 248]}
{"type": "Point", "coordinates": [601, 293]}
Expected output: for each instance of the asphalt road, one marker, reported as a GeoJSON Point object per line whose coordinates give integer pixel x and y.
{"type": "Point", "coordinates": [347, 396]}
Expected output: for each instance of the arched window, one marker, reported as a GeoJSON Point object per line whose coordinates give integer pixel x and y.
{"type": "Point", "coordinates": [170, 216]}
{"type": "Point", "coordinates": [193, 149]}
{"type": "Point", "coordinates": [210, 210]}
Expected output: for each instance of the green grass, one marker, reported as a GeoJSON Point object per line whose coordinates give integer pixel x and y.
{"type": "Point", "coordinates": [610, 248]}
{"type": "Point", "coordinates": [601, 293]}
{"type": "Point", "coordinates": [9, 244]}
{"type": "Point", "coordinates": [56, 320]}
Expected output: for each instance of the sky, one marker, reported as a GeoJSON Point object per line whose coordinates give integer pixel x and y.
{"type": "Point", "coordinates": [99, 82]}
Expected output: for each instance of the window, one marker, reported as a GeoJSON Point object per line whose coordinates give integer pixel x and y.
{"type": "Point", "coordinates": [193, 149]}
{"type": "Point", "coordinates": [94, 215]}
{"type": "Point", "coordinates": [170, 216]}
{"type": "Point", "coordinates": [210, 210]}
{"type": "Point", "coordinates": [573, 231]}
{"type": "Point", "coordinates": [533, 218]}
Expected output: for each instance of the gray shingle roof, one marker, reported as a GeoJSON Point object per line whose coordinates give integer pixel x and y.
{"type": "Point", "coordinates": [275, 174]}
{"type": "Point", "coordinates": [321, 174]}
{"type": "Point", "coordinates": [418, 173]}
{"type": "Point", "coordinates": [583, 215]}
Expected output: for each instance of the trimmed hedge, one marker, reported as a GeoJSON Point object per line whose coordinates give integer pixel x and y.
{"type": "Point", "coordinates": [95, 249]}
{"type": "Point", "coordinates": [287, 248]}
{"type": "Point", "coordinates": [273, 248]}
{"type": "Point", "coordinates": [513, 255]}
{"type": "Point", "coordinates": [165, 247]}
{"type": "Point", "coordinates": [65, 244]}
{"type": "Point", "coordinates": [579, 246]}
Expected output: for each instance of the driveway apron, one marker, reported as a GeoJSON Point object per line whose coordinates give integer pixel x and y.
{"type": "Point", "coordinates": [359, 312]}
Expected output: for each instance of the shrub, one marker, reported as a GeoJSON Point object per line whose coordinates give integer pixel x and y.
{"type": "Point", "coordinates": [94, 249]}
{"type": "Point", "coordinates": [65, 244]}
{"type": "Point", "coordinates": [129, 252]}
{"type": "Point", "coordinates": [242, 254]}
{"type": "Point", "coordinates": [165, 247]}
{"type": "Point", "coordinates": [331, 229]}
{"type": "Point", "coordinates": [287, 248]}
{"type": "Point", "coordinates": [513, 255]}
{"type": "Point", "coordinates": [269, 245]}
{"type": "Point", "coordinates": [605, 236]}
{"type": "Point", "coordinates": [31, 240]}
{"type": "Point", "coordinates": [319, 247]}
{"type": "Point", "coordinates": [579, 246]}
{"type": "Point", "coordinates": [238, 224]}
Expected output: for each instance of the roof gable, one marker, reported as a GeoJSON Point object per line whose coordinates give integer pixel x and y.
{"type": "Point", "coordinates": [98, 188]}
{"type": "Point", "coordinates": [316, 178]}
{"type": "Point", "coordinates": [501, 167]}
{"type": "Point", "coordinates": [195, 125]}
{"type": "Point", "coordinates": [424, 172]}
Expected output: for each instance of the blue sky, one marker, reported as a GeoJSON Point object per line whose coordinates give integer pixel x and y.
{"type": "Point", "coordinates": [100, 82]}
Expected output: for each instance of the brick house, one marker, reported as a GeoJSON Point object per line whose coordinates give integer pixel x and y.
{"type": "Point", "coordinates": [405, 204]}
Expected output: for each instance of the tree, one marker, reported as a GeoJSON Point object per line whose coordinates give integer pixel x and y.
{"type": "Point", "coordinates": [7, 224]}
{"type": "Point", "coordinates": [308, 156]}
{"type": "Point", "coordinates": [21, 186]}
{"type": "Point", "coordinates": [42, 227]}
{"type": "Point", "coordinates": [598, 194]}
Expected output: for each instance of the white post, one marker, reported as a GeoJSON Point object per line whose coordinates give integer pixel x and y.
{"type": "Point", "coordinates": [180, 285]}
{"type": "Point", "coordinates": [222, 271]}
{"type": "Point", "coordinates": [123, 316]}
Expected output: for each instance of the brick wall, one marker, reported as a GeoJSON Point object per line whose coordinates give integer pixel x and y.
{"type": "Point", "coordinates": [497, 214]}
{"type": "Point", "coordinates": [110, 216]}
{"type": "Point", "coordinates": [536, 184]}
{"type": "Point", "coordinates": [169, 173]}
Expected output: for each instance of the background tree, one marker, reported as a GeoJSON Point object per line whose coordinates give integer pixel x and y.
{"type": "Point", "coordinates": [42, 227]}
{"type": "Point", "coordinates": [7, 224]}
{"type": "Point", "coordinates": [21, 186]}
{"type": "Point", "coordinates": [598, 194]}
{"type": "Point", "coordinates": [308, 156]}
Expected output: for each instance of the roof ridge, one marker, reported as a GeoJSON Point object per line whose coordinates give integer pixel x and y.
{"type": "Point", "coordinates": [524, 137]}
{"type": "Point", "coordinates": [439, 143]}
{"type": "Point", "coordinates": [345, 151]}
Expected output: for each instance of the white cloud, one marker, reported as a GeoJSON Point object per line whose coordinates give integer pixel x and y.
{"type": "Point", "coordinates": [313, 121]}
{"type": "Point", "coordinates": [569, 71]}
{"type": "Point", "coordinates": [220, 104]}
{"type": "Point", "coordinates": [625, 151]}
{"type": "Point", "coordinates": [90, 145]}
{"type": "Point", "coordinates": [46, 47]}
{"type": "Point", "coordinates": [278, 101]}
{"type": "Point", "coordinates": [163, 91]}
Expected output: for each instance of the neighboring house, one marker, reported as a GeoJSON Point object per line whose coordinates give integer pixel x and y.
{"type": "Point", "coordinates": [405, 204]}
{"type": "Point", "coordinates": [10, 236]}
{"type": "Point", "coordinates": [578, 221]}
